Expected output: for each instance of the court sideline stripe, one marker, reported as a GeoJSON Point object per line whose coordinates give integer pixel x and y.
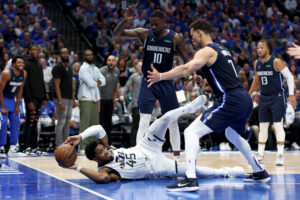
{"type": "Point", "coordinates": [66, 181]}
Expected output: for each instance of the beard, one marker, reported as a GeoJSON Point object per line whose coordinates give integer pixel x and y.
{"type": "Point", "coordinates": [89, 61]}
{"type": "Point", "coordinates": [65, 60]}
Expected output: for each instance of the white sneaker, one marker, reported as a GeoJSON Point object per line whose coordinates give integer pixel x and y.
{"type": "Point", "coordinates": [29, 152]}
{"type": "Point", "coordinates": [227, 147]}
{"type": "Point", "coordinates": [13, 152]}
{"type": "Point", "coordinates": [295, 146]}
{"type": "Point", "coordinates": [196, 103]}
{"type": "Point", "coordinates": [39, 152]}
{"type": "Point", "coordinates": [222, 146]}
{"type": "Point", "coordinates": [2, 153]}
{"type": "Point", "coordinates": [234, 172]}
{"type": "Point", "coordinates": [259, 158]}
{"type": "Point", "coordinates": [280, 160]}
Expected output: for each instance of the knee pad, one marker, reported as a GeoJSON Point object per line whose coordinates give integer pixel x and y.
{"type": "Point", "coordinates": [263, 132]}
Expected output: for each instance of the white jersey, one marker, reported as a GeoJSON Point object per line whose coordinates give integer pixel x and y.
{"type": "Point", "coordinates": [129, 163]}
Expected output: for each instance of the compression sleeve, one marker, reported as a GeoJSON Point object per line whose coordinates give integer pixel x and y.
{"type": "Point", "coordinates": [96, 130]}
{"type": "Point", "coordinates": [289, 78]}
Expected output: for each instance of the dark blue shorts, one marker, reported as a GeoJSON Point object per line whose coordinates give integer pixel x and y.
{"type": "Point", "coordinates": [164, 91]}
{"type": "Point", "coordinates": [232, 110]}
{"type": "Point", "coordinates": [271, 108]}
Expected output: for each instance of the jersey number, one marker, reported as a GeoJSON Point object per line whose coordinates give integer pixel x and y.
{"type": "Point", "coordinates": [157, 58]}
{"type": "Point", "coordinates": [230, 62]}
{"type": "Point", "coordinates": [130, 159]}
{"type": "Point", "coordinates": [13, 89]}
{"type": "Point", "coordinates": [264, 80]}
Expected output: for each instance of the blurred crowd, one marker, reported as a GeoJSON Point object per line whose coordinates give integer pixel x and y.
{"type": "Point", "coordinates": [238, 25]}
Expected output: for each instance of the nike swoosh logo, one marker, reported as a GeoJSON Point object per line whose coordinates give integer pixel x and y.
{"type": "Point", "coordinates": [182, 184]}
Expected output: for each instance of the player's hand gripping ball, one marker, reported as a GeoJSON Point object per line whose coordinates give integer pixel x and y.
{"type": "Point", "coordinates": [66, 155]}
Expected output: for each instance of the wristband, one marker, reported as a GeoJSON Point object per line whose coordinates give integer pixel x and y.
{"type": "Point", "coordinates": [78, 168]}
{"type": "Point", "coordinates": [160, 76]}
{"type": "Point", "coordinates": [60, 102]}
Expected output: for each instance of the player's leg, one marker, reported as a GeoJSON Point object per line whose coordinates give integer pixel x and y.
{"type": "Point", "coordinates": [262, 139]}
{"type": "Point", "coordinates": [259, 175]}
{"type": "Point", "coordinates": [175, 138]}
{"type": "Point", "coordinates": [280, 137]}
{"type": "Point", "coordinates": [159, 126]}
{"type": "Point", "coordinates": [164, 166]}
{"type": "Point", "coordinates": [3, 135]}
{"type": "Point", "coordinates": [192, 134]}
{"type": "Point", "coordinates": [146, 102]}
{"type": "Point", "coordinates": [278, 111]}
{"type": "Point", "coordinates": [14, 134]}
{"type": "Point", "coordinates": [144, 124]}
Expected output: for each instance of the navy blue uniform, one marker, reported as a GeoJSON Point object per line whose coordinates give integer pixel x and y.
{"type": "Point", "coordinates": [9, 92]}
{"type": "Point", "coordinates": [160, 52]}
{"type": "Point", "coordinates": [272, 99]}
{"type": "Point", "coordinates": [234, 104]}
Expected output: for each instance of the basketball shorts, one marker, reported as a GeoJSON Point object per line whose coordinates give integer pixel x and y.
{"type": "Point", "coordinates": [271, 108]}
{"type": "Point", "coordinates": [164, 91]}
{"type": "Point", "coordinates": [232, 109]}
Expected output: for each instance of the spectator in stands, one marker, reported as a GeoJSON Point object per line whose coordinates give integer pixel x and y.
{"type": "Point", "coordinates": [133, 82]}
{"type": "Point", "coordinates": [34, 94]}
{"type": "Point", "coordinates": [108, 94]}
{"type": "Point", "coordinates": [11, 87]}
{"type": "Point", "coordinates": [124, 72]}
{"type": "Point", "coordinates": [90, 79]}
{"type": "Point", "coordinates": [64, 96]}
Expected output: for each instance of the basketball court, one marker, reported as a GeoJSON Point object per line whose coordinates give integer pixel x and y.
{"type": "Point", "coordinates": [42, 178]}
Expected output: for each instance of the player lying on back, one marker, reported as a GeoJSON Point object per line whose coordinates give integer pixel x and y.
{"type": "Point", "coordinates": [146, 159]}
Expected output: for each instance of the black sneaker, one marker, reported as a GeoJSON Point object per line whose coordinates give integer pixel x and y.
{"type": "Point", "coordinates": [259, 177]}
{"type": "Point", "coordinates": [186, 185]}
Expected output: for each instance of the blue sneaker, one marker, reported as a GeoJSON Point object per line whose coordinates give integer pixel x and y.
{"type": "Point", "coordinates": [186, 185]}
{"type": "Point", "coordinates": [259, 177]}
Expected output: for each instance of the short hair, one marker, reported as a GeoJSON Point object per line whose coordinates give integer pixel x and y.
{"type": "Point", "coordinates": [268, 43]}
{"type": "Point", "coordinates": [90, 150]}
{"type": "Point", "coordinates": [159, 14]}
{"type": "Point", "coordinates": [15, 58]}
{"type": "Point", "coordinates": [201, 24]}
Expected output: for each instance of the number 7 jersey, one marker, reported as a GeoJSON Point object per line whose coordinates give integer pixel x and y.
{"type": "Point", "coordinates": [270, 79]}
{"type": "Point", "coordinates": [159, 51]}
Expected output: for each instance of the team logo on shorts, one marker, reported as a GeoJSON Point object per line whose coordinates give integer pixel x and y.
{"type": "Point", "coordinates": [209, 116]}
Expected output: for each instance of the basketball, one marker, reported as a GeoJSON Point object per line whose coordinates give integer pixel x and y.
{"type": "Point", "coordinates": [66, 155]}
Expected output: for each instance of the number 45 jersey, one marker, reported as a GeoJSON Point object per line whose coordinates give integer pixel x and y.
{"type": "Point", "coordinates": [129, 163]}
{"type": "Point", "coordinates": [158, 51]}
{"type": "Point", "coordinates": [270, 79]}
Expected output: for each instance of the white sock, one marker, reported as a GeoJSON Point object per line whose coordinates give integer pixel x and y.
{"type": "Point", "coordinates": [1, 147]}
{"type": "Point", "coordinates": [280, 137]}
{"type": "Point", "coordinates": [143, 126]}
{"type": "Point", "coordinates": [192, 134]}
{"type": "Point", "coordinates": [174, 135]}
{"type": "Point", "coordinates": [243, 146]}
{"type": "Point", "coordinates": [262, 137]}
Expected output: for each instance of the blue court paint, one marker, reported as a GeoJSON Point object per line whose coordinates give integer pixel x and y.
{"type": "Point", "coordinates": [281, 187]}
{"type": "Point", "coordinates": [33, 184]}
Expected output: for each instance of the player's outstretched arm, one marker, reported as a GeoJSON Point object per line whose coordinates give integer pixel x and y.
{"type": "Point", "coordinates": [120, 30]}
{"type": "Point", "coordinates": [96, 130]}
{"type": "Point", "coordinates": [104, 175]}
{"type": "Point", "coordinates": [294, 51]}
{"type": "Point", "coordinates": [202, 57]}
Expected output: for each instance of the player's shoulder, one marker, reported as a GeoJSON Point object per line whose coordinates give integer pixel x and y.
{"type": "Point", "coordinates": [6, 74]}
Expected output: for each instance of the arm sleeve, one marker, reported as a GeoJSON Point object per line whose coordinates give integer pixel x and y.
{"type": "Point", "coordinates": [96, 130]}
{"type": "Point", "coordinates": [289, 78]}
